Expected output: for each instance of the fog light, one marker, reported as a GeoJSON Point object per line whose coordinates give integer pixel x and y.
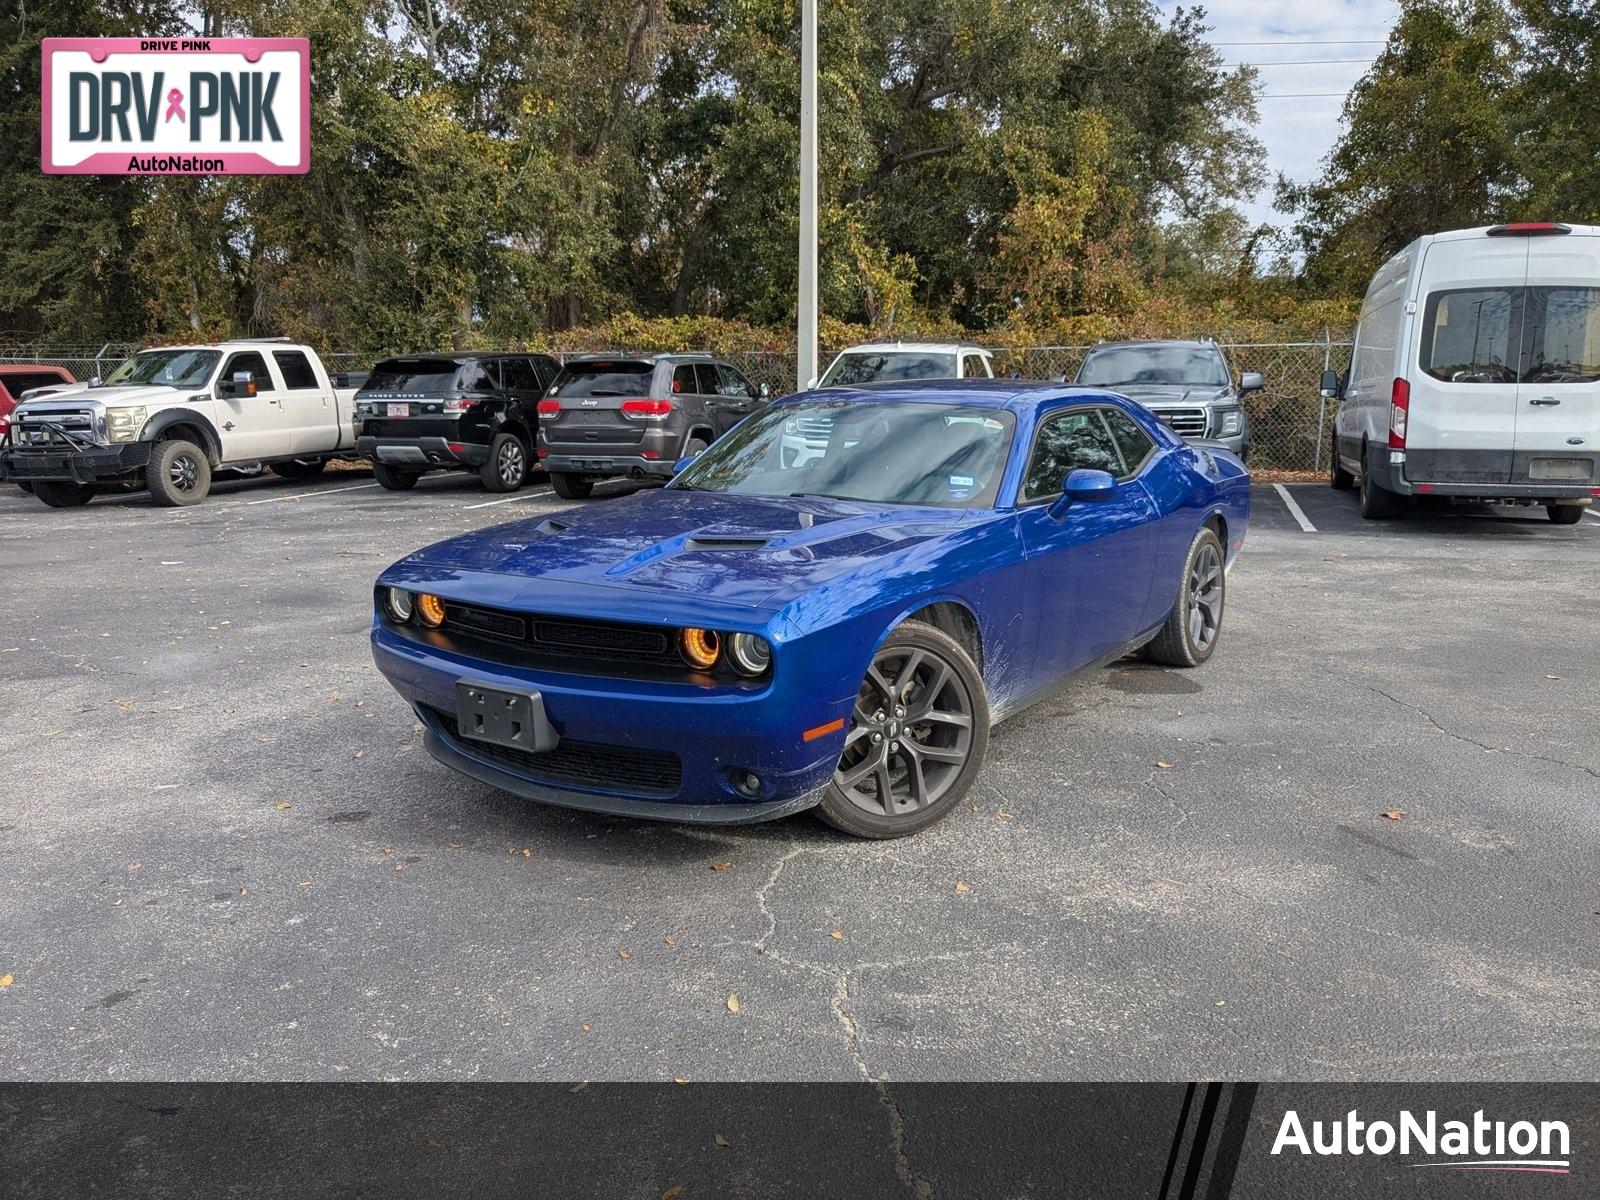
{"type": "Point", "coordinates": [700, 648]}
{"type": "Point", "coordinates": [398, 604]}
{"type": "Point", "coordinates": [431, 610]}
{"type": "Point", "coordinates": [747, 783]}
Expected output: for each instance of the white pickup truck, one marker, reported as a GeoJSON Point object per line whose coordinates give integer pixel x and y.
{"type": "Point", "coordinates": [167, 419]}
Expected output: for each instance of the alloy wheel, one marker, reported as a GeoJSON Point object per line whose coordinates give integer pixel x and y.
{"type": "Point", "coordinates": [185, 473]}
{"type": "Point", "coordinates": [510, 463]}
{"type": "Point", "coordinates": [1205, 596]}
{"type": "Point", "coordinates": [910, 734]}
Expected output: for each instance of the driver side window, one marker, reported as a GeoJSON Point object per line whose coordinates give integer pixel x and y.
{"type": "Point", "coordinates": [1067, 442]}
{"type": "Point", "coordinates": [255, 364]}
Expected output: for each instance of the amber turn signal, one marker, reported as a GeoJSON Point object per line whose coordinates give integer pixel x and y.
{"type": "Point", "coordinates": [700, 648]}
{"type": "Point", "coordinates": [430, 610]}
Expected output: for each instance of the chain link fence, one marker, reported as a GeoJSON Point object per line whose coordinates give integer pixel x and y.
{"type": "Point", "coordinates": [1290, 423]}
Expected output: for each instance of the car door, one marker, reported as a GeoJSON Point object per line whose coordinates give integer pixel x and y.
{"type": "Point", "coordinates": [252, 427]}
{"type": "Point", "coordinates": [1558, 396]}
{"type": "Point", "coordinates": [715, 406]}
{"type": "Point", "coordinates": [1090, 563]}
{"type": "Point", "coordinates": [308, 409]}
{"type": "Point", "coordinates": [519, 383]}
{"type": "Point", "coordinates": [737, 393]}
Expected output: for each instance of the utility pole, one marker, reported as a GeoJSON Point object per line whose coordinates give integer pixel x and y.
{"type": "Point", "coordinates": [806, 365]}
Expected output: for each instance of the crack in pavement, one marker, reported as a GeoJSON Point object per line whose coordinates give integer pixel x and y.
{"type": "Point", "coordinates": [1461, 737]}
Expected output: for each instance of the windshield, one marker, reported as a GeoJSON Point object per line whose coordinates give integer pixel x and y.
{"type": "Point", "coordinates": [413, 377]}
{"type": "Point", "coordinates": [881, 366]}
{"type": "Point", "coordinates": [166, 368]}
{"type": "Point", "coordinates": [949, 456]}
{"type": "Point", "coordinates": [1172, 366]}
{"type": "Point", "coordinates": [604, 379]}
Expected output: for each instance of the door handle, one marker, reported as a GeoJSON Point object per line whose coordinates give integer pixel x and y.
{"type": "Point", "coordinates": [1544, 400]}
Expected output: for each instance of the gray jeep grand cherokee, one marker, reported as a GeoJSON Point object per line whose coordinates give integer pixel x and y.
{"type": "Point", "coordinates": [636, 415]}
{"type": "Point", "coordinates": [1188, 385]}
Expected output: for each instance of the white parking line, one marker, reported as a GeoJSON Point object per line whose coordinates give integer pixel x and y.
{"type": "Point", "coordinates": [1589, 512]}
{"type": "Point", "coordinates": [1294, 509]}
{"type": "Point", "coordinates": [356, 487]}
{"type": "Point", "coordinates": [508, 499]}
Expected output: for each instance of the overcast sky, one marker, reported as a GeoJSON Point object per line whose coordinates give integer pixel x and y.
{"type": "Point", "coordinates": [1301, 103]}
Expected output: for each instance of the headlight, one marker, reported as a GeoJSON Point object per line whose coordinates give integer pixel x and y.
{"type": "Point", "coordinates": [399, 605]}
{"type": "Point", "coordinates": [1232, 421]}
{"type": "Point", "coordinates": [750, 655]}
{"type": "Point", "coordinates": [700, 648]}
{"type": "Point", "coordinates": [123, 424]}
{"type": "Point", "coordinates": [430, 609]}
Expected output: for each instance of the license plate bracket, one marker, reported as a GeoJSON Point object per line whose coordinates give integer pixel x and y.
{"type": "Point", "coordinates": [1574, 470]}
{"type": "Point", "coordinates": [398, 410]}
{"type": "Point", "coordinates": [515, 720]}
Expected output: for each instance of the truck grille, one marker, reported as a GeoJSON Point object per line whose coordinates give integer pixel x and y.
{"type": "Point", "coordinates": [655, 773]}
{"type": "Point", "coordinates": [44, 429]}
{"type": "Point", "coordinates": [1185, 422]}
{"type": "Point", "coordinates": [813, 429]}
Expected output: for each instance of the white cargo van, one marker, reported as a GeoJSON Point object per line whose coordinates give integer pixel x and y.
{"type": "Point", "coordinates": [1476, 373]}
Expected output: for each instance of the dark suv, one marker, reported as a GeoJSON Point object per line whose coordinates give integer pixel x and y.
{"type": "Point", "coordinates": [476, 412]}
{"type": "Point", "coordinates": [1187, 385]}
{"type": "Point", "coordinates": [636, 414]}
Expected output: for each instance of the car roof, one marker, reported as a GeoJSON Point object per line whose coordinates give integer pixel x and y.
{"type": "Point", "coordinates": [647, 356]}
{"type": "Point", "coordinates": [1016, 395]}
{"type": "Point", "coordinates": [1186, 343]}
{"type": "Point", "coordinates": [913, 347]}
{"type": "Point", "coordinates": [462, 356]}
{"type": "Point", "coordinates": [29, 368]}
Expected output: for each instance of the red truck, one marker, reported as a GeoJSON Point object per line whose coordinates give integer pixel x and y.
{"type": "Point", "coordinates": [16, 378]}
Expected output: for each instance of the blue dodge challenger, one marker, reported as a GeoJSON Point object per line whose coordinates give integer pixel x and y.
{"type": "Point", "coordinates": [773, 632]}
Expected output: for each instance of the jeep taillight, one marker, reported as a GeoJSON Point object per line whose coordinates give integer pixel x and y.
{"type": "Point", "coordinates": [549, 408]}
{"type": "Point", "coordinates": [646, 409]}
{"type": "Point", "coordinates": [1399, 408]}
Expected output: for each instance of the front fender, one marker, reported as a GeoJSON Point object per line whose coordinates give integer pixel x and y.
{"type": "Point", "coordinates": [168, 417]}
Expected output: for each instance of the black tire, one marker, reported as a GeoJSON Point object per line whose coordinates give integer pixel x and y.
{"type": "Point", "coordinates": [919, 671]}
{"type": "Point", "coordinates": [298, 470]}
{"type": "Point", "coordinates": [506, 468]}
{"type": "Point", "coordinates": [393, 479]}
{"type": "Point", "coordinates": [1565, 514]}
{"type": "Point", "coordinates": [695, 445]}
{"type": "Point", "coordinates": [61, 493]}
{"type": "Point", "coordinates": [1339, 479]}
{"type": "Point", "coordinates": [178, 473]}
{"type": "Point", "coordinates": [26, 485]}
{"type": "Point", "coordinates": [1377, 503]}
{"type": "Point", "coordinates": [1194, 625]}
{"type": "Point", "coordinates": [571, 487]}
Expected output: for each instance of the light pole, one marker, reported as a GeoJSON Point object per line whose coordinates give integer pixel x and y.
{"type": "Point", "coordinates": [806, 365]}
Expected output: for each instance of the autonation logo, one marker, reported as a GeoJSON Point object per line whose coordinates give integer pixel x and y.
{"type": "Point", "coordinates": [1476, 1145]}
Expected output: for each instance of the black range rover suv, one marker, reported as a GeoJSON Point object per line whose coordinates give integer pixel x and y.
{"type": "Point", "coordinates": [636, 415]}
{"type": "Point", "coordinates": [475, 412]}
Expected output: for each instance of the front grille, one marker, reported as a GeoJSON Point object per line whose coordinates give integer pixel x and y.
{"type": "Point", "coordinates": [36, 428]}
{"type": "Point", "coordinates": [656, 773]}
{"type": "Point", "coordinates": [483, 620]}
{"type": "Point", "coordinates": [1185, 422]}
{"type": "Point", "coordinates": [813, 429]}
{"type": "Point", "coordinates": [602, 638]}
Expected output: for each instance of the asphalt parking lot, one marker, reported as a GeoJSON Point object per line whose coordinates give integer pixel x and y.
{"type": "Point", "coordinates": [225, 854]}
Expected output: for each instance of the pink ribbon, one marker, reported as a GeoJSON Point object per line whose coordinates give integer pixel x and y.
{"type": "Point", "coordinates": [175, 105]}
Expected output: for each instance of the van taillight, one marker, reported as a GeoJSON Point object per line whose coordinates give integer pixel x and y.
{"type": "Point", "coordinates": [549, 408]}
{"type": "Point", "coordinates": [1399, 407]}
{"type": "Point", "coordinates": [1530, 229]}
{"type": "Point", "coordinates": [646, 408]}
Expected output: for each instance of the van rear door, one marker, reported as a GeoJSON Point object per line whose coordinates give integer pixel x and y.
{"type": "Point", "coordinates": [1558, 407]}
{"type": "Point", "coordinates": [1464, 390]}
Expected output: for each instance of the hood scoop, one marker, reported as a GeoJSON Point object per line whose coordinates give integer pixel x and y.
{"type": "Point", "coordinates": [550, 526]}
{"type": "Point", "coordinates": [724, 543]}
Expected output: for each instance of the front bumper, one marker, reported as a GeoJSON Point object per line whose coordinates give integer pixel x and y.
{"type": "Point", "coordinates": [422, 452]}
{"type": "Point", "coordinates": [41, 464]}
{"type": "Point", "coordinates": [713, 732]}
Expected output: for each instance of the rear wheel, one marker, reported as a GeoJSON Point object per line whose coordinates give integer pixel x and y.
{"type": "Point", "coordinates": [506, 468]}
{"type": "Point", "coordinates": [26, 485]}
{"type": "Point", "coordinates": [59, 493]}
{"type": "Point", "coordinates": [571, 487]}
{"type": "Point", "coordinates": [178, 473]}
{"type": "Point", "coordinates": [1339, 479]}
{"type": "Point", "coordinates": [1195, 622]}
{"type": "Point", "coordinates": [1565, 514]}
{"type": "Point", "coordinates": [298, 470]}
{"type": "Point", "coordinates": [1377, 503]}
{"type": "Point", "coordinates": [917, 737]}
{"type": "Point", "coordinates": [393, 479]}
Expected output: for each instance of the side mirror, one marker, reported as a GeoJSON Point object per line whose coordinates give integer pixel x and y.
{"type": "Point", "coordinates": [764, 391]}
{"type": "Point", "coordinates": [1084, 485]}
{"type": "Point", "coordinates": [242, 384]}
{"type": "Point", "coordinates": [1251, 381]}
{"type": "Point", "coordinates": [678, 467]}
{"type": "Point", "coordinates": [811, 384]}
{"type": "Point", "coordinates": [1330, 385]}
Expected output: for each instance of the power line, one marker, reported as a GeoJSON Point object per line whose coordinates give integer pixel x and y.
{"type": "Point", "coordinates": [1301, 95]}
{"type": "Point", "coordinates": [1302, 62]}
{"type": "Point", "coordinates": [1323, 42]}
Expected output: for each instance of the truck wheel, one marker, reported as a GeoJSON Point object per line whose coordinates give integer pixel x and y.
{"type": "Point", "coordinates": [298, 470]}
{"type": "Point", "coordinates": [506, 468]}
{"type": "Point", "coordinates": [58, 493]}
{"type": "Point", "coordinates": [393, 479]}
{"type": "Point", "coordinates": [1339, 479]}
{"type": "Point", "coordinates": [1377, 504]}
{"type": "Point", "coordinates": [26, 485]}
{"type": "Point", "coordinates": [178, 473]}
{"type": "Point", "coordinates": [1565, 514]}
{"type": "Point", "coordinates": [571, 487]}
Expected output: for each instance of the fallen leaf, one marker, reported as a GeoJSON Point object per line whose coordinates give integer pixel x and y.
{"type": "Point", "coordinates": [1222, 1004]}
{"type": "Point", "coordinates": [305, 883]}
{"type": "Point", "coordinates": [585, 1028]}
{"type": "Point", "coordinates": [962, 888]}
{"type": "Point", "coordinates": [133, 866]}
{"type": "Point", "coordinates": [669, 941]}
{"type": "Point", "coordinates": [284, 806]}
{"type": "Point", "coordinates": [433, 1143]}
{"type": "Point", "coordinates": [680, 1080]}
{"type": "Point", "coordinates": [1552, 677]}
{"type": "Point", "coordinates": [1005, 816]}
{"type": "Point", "coordinates": [733, 1004]}
{"type": "Point", "coordinates": [624, 955]}
{"type": "Point", "coordinates": [837, 935]}
{"type": "Point", "coordinates": [578, 1087]}
{"type": "Point", "coordinates": [1395, 815]}
{"type": "Point", "coordinates": [244, 891]}
{"type": "Point", "coordinates": [1165, 766]}
{"type": "Point", "coordinates": [7, 979]}
{"type": "Point", "coordinates": [526, 852]}
{"type": "Point", "coordinates": [721, 1141]}
{"type": "Point", "coordinates": [721, 866]}
{"type": "Point", "coordinates": [673, 1192]}
{"type": "Point", "coordinates": [361, 753]}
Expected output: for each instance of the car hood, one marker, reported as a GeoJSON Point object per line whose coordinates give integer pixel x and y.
{"type": "Point", "coordinates": [1153, 394]}
{"type": "Point", "coordinates": [754, 551]}
{"type": "Point", "coordinates": [74, 395]}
